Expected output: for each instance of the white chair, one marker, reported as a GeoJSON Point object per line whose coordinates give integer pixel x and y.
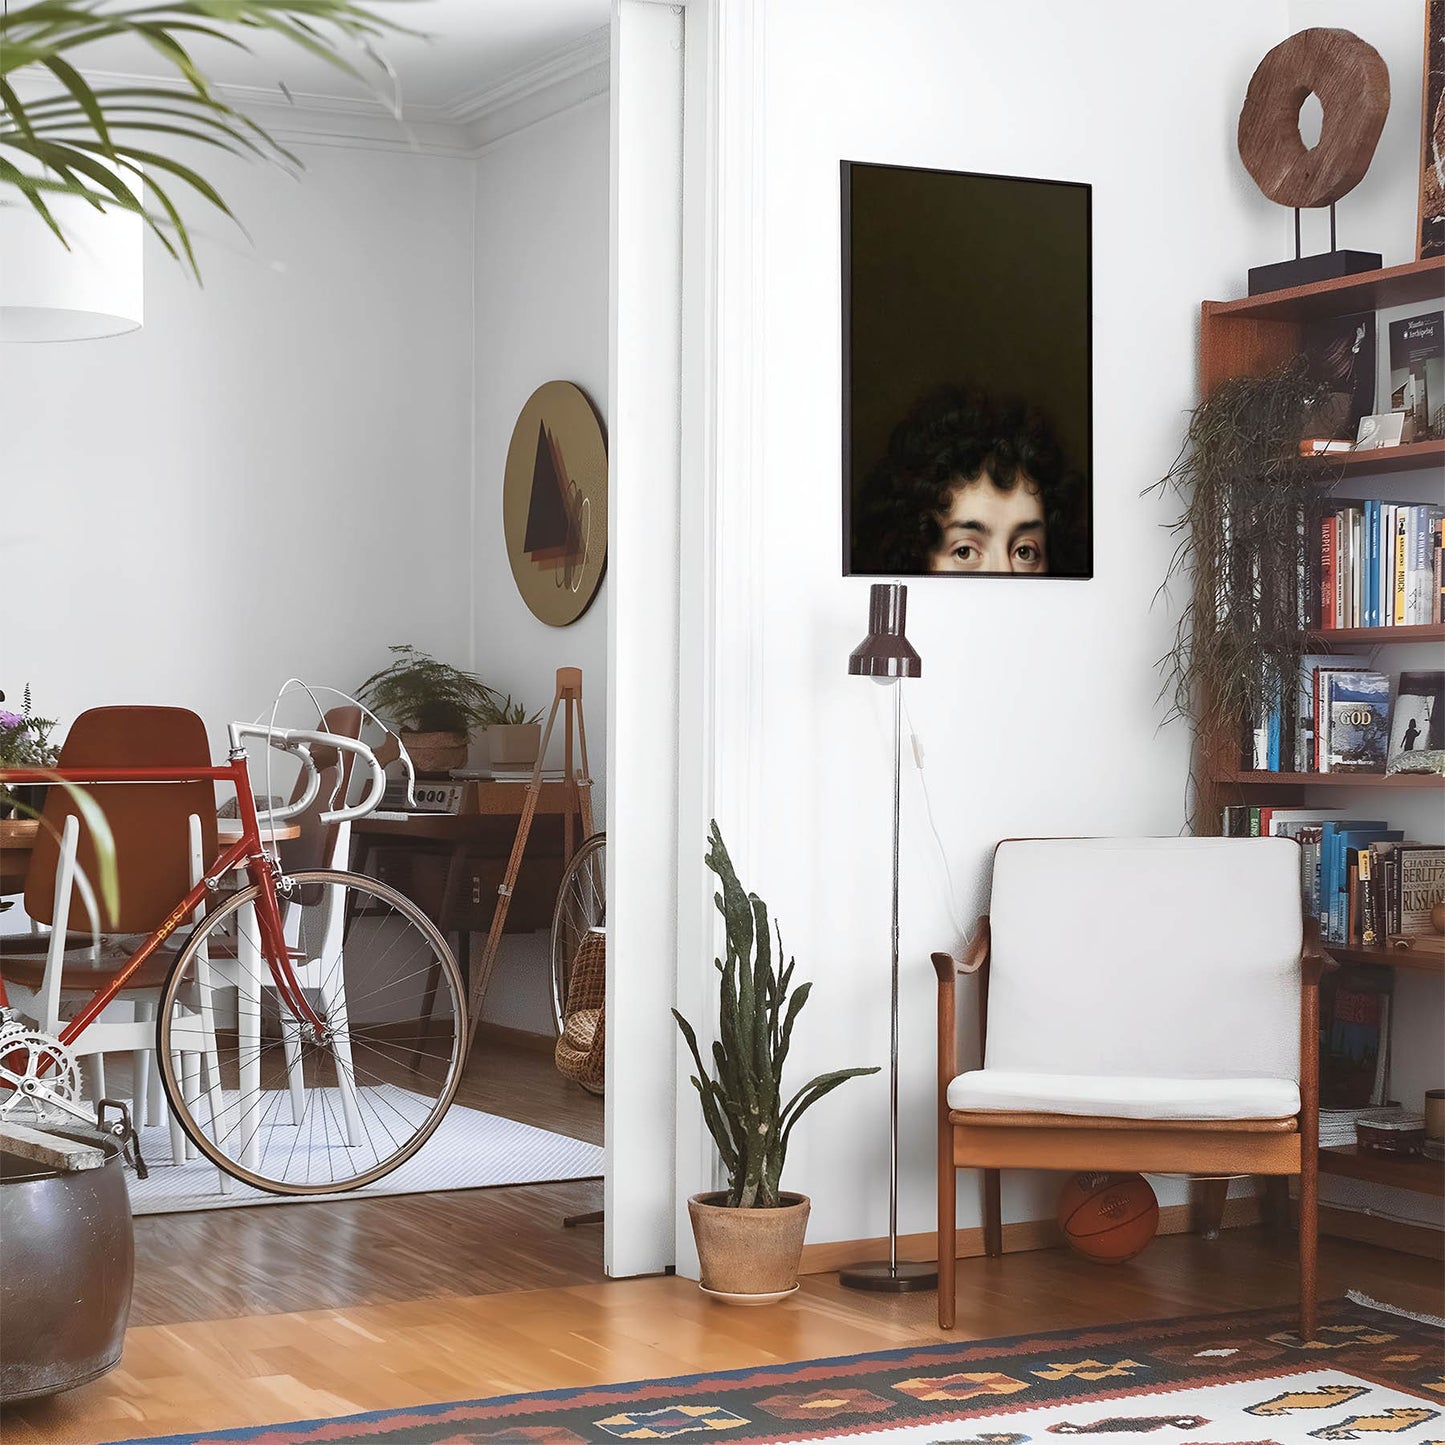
{"type": "Point", "coordinates": [1144, 1004]}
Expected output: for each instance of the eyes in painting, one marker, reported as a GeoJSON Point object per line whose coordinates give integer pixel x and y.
{"type": "Point", "coordinates": [986, 529]}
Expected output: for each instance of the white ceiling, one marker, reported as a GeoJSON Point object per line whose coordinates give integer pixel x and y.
{"type": "Point", "coordinates": [470, 47]}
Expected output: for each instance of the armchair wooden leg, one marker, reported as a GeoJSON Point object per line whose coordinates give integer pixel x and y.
{"type": "Point", "coordinates": [992, 1214]}
{"type": "Point", "coordinates": [1308, 1244]}
{"type": "Point", "coordinates": [947, 1217]}
{"type": "Point", "coordinates": [1206, 1198]}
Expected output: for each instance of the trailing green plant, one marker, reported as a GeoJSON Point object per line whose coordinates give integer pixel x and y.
{"type": "Point", "coordinates": [743, 1103]}
{"type": "Point", "coordinates": [419, 693]}
{"type": "Point", "coordinates": [1247, 494]}
{"type": "Point", "coordinates": [503, 712]}
{"type": "Point", "coordinates": [97, 142]}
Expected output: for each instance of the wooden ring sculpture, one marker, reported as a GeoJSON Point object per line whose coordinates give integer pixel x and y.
{"type": "Point", "coordinates": [1353, 86]}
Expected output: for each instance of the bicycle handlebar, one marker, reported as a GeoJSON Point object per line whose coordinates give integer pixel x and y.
{"type": "Point", "coordinates": [300, 741]}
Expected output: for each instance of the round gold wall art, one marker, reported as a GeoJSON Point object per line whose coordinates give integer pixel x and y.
{"type": "Point", "coordinates": [554, 503]}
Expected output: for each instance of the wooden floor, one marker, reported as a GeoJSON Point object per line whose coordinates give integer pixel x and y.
{"type": "Point", "coordinates": [265, 1369]}
{"type": "Point", "coordinates": [224, 1263]}
{"type": "Point", "coordinates": [257, 1316]}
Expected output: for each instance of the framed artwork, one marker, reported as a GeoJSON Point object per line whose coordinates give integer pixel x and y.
{"type": "Point", "coordinates": [554, 503]}
{"type": "Point", "coordinates": [1432, 134]}
{"type": "Point", "coordinates": [967, 375]}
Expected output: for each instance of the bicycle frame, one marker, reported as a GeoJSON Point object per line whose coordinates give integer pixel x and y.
{"type": "Point", "coordinates": [260, 867]}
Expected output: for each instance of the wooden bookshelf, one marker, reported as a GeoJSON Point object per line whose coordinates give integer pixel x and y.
{"type": "Point", "coordinates": [1378, 636]}
{"type": "Point", "coordinates": [1245, 778]}
{"type": "Point", "coordinates": [1400, 1171]}
{"type": "Point", "coordinates": [1408, 457]}
{"type": "Point", "coordinates": [1421, 962]}
{"type": "Point", "coordinates": [1416, 281]}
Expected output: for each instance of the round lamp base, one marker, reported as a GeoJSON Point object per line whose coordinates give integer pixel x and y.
{"type": "Point", "coordinates": [883, 1278]}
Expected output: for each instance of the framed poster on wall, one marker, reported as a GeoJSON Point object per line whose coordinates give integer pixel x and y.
{"type": "Point", "coordinates": [967, 374]}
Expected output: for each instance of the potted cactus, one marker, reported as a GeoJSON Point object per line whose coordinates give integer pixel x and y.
{"type": "Point", "coordinates": [750, 1236]}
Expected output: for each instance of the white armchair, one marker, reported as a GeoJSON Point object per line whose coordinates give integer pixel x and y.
{"type": "Point", "coordinates": [1145, 1004]}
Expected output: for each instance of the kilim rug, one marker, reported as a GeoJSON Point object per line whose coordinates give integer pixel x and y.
{"type": "Point", "coordinates": [1237, 1379]}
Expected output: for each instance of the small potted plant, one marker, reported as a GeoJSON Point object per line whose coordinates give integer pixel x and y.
{"type": "Point", "coordinates": [24, 743]}
{"type": "Point", "coordinates": [513, 738]}
{"type": "Point", "coordinates": [434, 704]}
{"type": "Point", "coordinates": [750, 1236]}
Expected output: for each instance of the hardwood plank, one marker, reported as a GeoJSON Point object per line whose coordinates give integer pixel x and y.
{"type": "Point", "coordinates": [257, 1371]}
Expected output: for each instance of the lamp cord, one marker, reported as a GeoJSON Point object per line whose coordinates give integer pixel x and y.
{"type": "Point", "coordinates": [916, 747]}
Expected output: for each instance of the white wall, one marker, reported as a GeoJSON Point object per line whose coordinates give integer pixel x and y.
{"type": "Point", "coordinates": [541, 288]}
{"type": "Point", "coordinates": [302, 421]}
{"type": "Point", "coordinates": [1037, 708]}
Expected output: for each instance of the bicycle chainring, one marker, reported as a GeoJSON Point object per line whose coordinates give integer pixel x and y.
{"type": "Point", "coordinates": [28, 1054]}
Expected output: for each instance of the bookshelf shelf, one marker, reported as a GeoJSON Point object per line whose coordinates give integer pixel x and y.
{"type": "Point", "coordinates": [1420, 962]}
{"type": "Point", "coordinates": [1424, 1176]}
{"type": "Point", "coordinates": [1379, 636]}
{"type": "Point", "coordinates": [1331, 780]}
{"type": "Point", "coordinates": [1417, 281]}
{"type": "Point", "coordinates": [1409, 457]}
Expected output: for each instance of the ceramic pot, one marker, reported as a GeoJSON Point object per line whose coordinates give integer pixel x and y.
{"type": "Point", "coordinates": [434, 755]}
{"type": "Point", "coordinates": [748, 1256]}
{"type": "Point", "coordinates": [513, 745]}
{"type": "Point", "coordinates": [69, 1263]}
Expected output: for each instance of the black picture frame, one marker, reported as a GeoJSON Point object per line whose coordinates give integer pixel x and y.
{"type": "Point", "coordinates": [919, 212]}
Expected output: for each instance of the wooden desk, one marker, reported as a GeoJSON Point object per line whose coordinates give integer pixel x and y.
{"type": "Point", "coordinates": [451, 864]}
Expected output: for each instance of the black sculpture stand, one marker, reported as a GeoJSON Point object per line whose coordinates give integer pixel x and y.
{"type": "Point", "coordinates": [1306, 270]}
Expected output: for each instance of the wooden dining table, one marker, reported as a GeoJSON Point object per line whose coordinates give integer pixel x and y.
{"type": "Point", "coordinates": [18, 835]}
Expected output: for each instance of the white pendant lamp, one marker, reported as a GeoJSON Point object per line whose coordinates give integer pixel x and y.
{"type": "Point", "coordinates": [94, 289]}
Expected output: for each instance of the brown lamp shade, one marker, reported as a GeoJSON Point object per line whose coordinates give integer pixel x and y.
{"type": "Point", "coordinates": [886, 652]}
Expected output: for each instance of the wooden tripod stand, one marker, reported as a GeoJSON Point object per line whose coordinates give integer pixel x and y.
{"type": "Point", "coordinates": [577, 782]}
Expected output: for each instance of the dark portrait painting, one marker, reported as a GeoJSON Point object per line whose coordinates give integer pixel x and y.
{"type": "Point", "coordinates": [966, 375]}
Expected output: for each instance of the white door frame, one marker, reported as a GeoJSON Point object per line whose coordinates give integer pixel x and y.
{"type": "Point", "coordinates": [685, 593]}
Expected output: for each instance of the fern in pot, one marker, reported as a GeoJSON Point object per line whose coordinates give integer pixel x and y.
{"type": "Point", "coordinates": [434, 704]}
{"type": "Point", "coordinates": [750, 1236]}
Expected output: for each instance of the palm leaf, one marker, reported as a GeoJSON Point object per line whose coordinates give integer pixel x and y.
{"type": "Point", "coordinates": [66, 134]}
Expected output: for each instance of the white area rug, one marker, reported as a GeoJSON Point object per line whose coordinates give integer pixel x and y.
{"type": "Point", "coordinates": [470, 1150]}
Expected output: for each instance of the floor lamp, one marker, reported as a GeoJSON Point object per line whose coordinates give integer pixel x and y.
{"type": "Point", "coordinates": [886, 656]}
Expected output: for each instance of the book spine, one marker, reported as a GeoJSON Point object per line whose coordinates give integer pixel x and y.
{"type": "Point", "coordinates": [1437, 613]}
{"type": "Point", "coordinates": [1372, 563]}
{"type": "Point", "coordinates": [1322, 722]}
{"type": "Point", "coordinates": [1398, 604]}
{"type": "Point", "coordinates": [1384, 600]}
{"type": "Point", "coordinates": [1351, 913]}
{"type": "Point", "coordinates": [1341, 560]}
{"type": "Point", "coordinates": [1327, 573]}
{"type": "Point", "coordinates": [1369, 933]}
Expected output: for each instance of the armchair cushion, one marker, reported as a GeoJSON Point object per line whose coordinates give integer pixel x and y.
{"type": "Point", "coordinates": [1145, 958]}
{"type": "Point", "coordinates": [1125, 1098]}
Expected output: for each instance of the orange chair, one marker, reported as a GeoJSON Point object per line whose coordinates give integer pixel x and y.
{"type": "Point", "coordinates": [163, 834]}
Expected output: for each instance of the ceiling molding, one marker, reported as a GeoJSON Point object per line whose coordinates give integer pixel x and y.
{"type": "Point", "coordinates": [579, 60]}
{"type": "Point", "coordinates": [565, 78]}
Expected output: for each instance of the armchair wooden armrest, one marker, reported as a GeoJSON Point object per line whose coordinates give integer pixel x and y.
{"type": "Point", "coordinates": [947, 969]}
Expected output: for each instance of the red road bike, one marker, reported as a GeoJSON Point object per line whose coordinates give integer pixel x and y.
{"type": "Point", "coordinates": [311, 1028]}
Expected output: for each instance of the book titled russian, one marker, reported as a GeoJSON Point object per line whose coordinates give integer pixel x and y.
{"type": "Point", "coordinates": [1421, 881]}
{"type": "Point", "coordinates": [1417, 722]}
{"type": "Point", "coordinates": [1417, 370]}
{"type": "Point", "coordinates": [1357, 710]}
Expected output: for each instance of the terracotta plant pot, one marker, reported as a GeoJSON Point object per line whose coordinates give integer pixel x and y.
{"type": "Point", "coordinates": [748, 1256]}
{"type": "Point", "coordinates": [434, 755]}
{"type": "Point", "coordinates": [513, 745]}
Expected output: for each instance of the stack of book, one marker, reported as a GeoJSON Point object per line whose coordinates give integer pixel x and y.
{"type": "Point", "coordinates": [1362, 879]}
{"type": "Point", "coordinates": [1378, 565]}
{"type": "Point", "coordinates": [1337, 1126]}
{"type": "Point", "coordinates": [1348, 718]}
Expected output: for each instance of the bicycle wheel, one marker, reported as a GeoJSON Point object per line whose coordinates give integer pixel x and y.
{"type": "Point", "coordinates": [581, 904]}
{"type": "Point", "coordinates": [287, 1108]}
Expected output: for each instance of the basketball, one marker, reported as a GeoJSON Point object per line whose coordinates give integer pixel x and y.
{"type": "Point", "coordinates": [1108, 1217]}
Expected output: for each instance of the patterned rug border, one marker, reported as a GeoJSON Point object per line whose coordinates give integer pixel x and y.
{"type": "Point", "coordinates": [961, 1352]}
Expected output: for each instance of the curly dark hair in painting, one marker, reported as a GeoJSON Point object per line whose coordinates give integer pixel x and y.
{"type": "Point", "coordinates": [949, 439]}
